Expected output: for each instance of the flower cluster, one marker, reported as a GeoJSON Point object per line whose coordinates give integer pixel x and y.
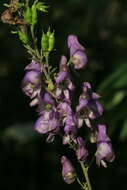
{"type": "Point", "coordinates": [56, 115]}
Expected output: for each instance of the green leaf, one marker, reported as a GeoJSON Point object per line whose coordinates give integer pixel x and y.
{"type": "Point", "coordinates": [41, 7]}
{"type": "Point", "coordinates": [114, 77]}
{"type": "Point", "coordinates": [123, 133]}
{"type": "Point", "coordinates": [118, 97]}
{"type": "Point", "coordinates": [7, 5]}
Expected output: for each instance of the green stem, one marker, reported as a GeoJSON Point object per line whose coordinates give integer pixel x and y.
{"type": "Point", "coordinates": [47, 62]}
{"type": "Point", "coordinates": [33, 36]}
{"type": "Point", "coordinates": [85, 172]}
{"type": "Point", "coordinates": [79, 182]}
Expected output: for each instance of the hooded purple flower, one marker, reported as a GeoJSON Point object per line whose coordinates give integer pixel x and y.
{"type": "Point", "coordinates": [45, 102]}
{"type": "Point", "coordinates": [70, 128]}
{"type": "Point", "coordinates": [104, 147]}
{"type": "Point", "coordinates": [31, 83]}
{"type": "Point", "coordinates": [33, 66]}
{"type": "Point", "coordinates": [47, 122]}
{"type": "Point", "coordinates": [68, 171]}
{"type": "Point", "coordinates": [77, 52]}
{"type": "Point", "coordinates": [64, 72]}
{"type": "Point", "coordinates": [64, 86]}
{"type": "Point", "coordinates": [81, 151]}
{"type": "Point", "coordinates": [89, 107]}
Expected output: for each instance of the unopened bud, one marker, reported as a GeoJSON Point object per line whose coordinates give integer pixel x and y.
{"type": "Point", "coordinates": [68, 171]}
{"type": "Point", "coordinates": [51, 41]}
{"type": "Point", "coordinates": [50, 86]}
{"type": "Point", "coordinates": [44, 42]}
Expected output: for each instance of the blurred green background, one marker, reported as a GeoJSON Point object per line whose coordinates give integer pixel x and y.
{"type": "Point", "coordinates": [26, 161]}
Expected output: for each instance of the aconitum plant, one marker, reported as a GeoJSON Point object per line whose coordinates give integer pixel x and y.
{"type": "Point", "coordinates": [52, 91]}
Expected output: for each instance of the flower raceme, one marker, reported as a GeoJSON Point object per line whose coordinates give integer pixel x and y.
{"type": "Point", "coordinates": [57, 115]}
{"type": "Point", "coordinates": [53, 93]}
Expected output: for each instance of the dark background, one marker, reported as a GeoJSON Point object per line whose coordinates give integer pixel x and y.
{"type": "Point", "coordinates": [26, 161]}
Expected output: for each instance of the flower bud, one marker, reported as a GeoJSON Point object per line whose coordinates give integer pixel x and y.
{"type": "Point", "coordinates": [50, 86]}
{"type": "Point", "coordinates": [44, 42]}
{"type": "Point", "coordinates": [51, 41]}
{"type": "Point", "coordinates": [68, 171]}
{"type": "Point", "coordinates": [48, 32]}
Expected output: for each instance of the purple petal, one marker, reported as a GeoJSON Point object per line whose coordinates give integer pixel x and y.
{"type": "Point", "coordinates": [79, 59]}
{"type": "Point", "coordinates": [73, 42]}
{"type": "Point", "coordinates": [81, 151]}
{"type": "Point", "coordinates": [68, 171]}
{"type": "Point", "coordinates": [61, 77]}
{"type": "Point", "coordinates": [33, 66]}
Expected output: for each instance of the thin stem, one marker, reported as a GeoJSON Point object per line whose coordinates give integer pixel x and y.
{"type": "Point", "coordinates": [85, 172]}
{"type": "Point", "coordinates": [47, 61]}
{"type": "Point", "coordinates": [79, 182]}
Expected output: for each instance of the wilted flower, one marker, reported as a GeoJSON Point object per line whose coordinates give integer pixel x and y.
{"type": "Point", "coordinates": [77, 52]}
{"type": "Point", "coordinates": [68, 171]}
{"type": "Point", "coordinates": [104, 147]}
{"type": "Point", "coordinates": [81, 151]}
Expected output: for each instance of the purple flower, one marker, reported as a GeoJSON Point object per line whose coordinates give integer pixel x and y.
{"type": "Point", "coordinates": [64, 72]}
{"type": "Point", "coordinates": [81, 151]}
{"type": "Point", "coordinates": [47, 122]}
{"type": "Point", "coordinates": [52, 134]}
{"type": "Point", "coordinates": [77, 52]}
{"type": "Point", "coordinates": [64, 86]}
{"type": "Point", "coordinates": [70, 128]}
{"type": "Point", "coordinates": [33, 66]}
{"type": "Point", "coordinates": [89, 107]}
{"type": "Point", "coordinates": [31, 84]}
{"type": "Point", "coordinates": [64, 109]}
{"type": "Point", "coordinates": [45, 102]}
{"type": "Point", "coordinates": [104, 147]}
{"type": "Point", "coordinates": [68, 171]}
